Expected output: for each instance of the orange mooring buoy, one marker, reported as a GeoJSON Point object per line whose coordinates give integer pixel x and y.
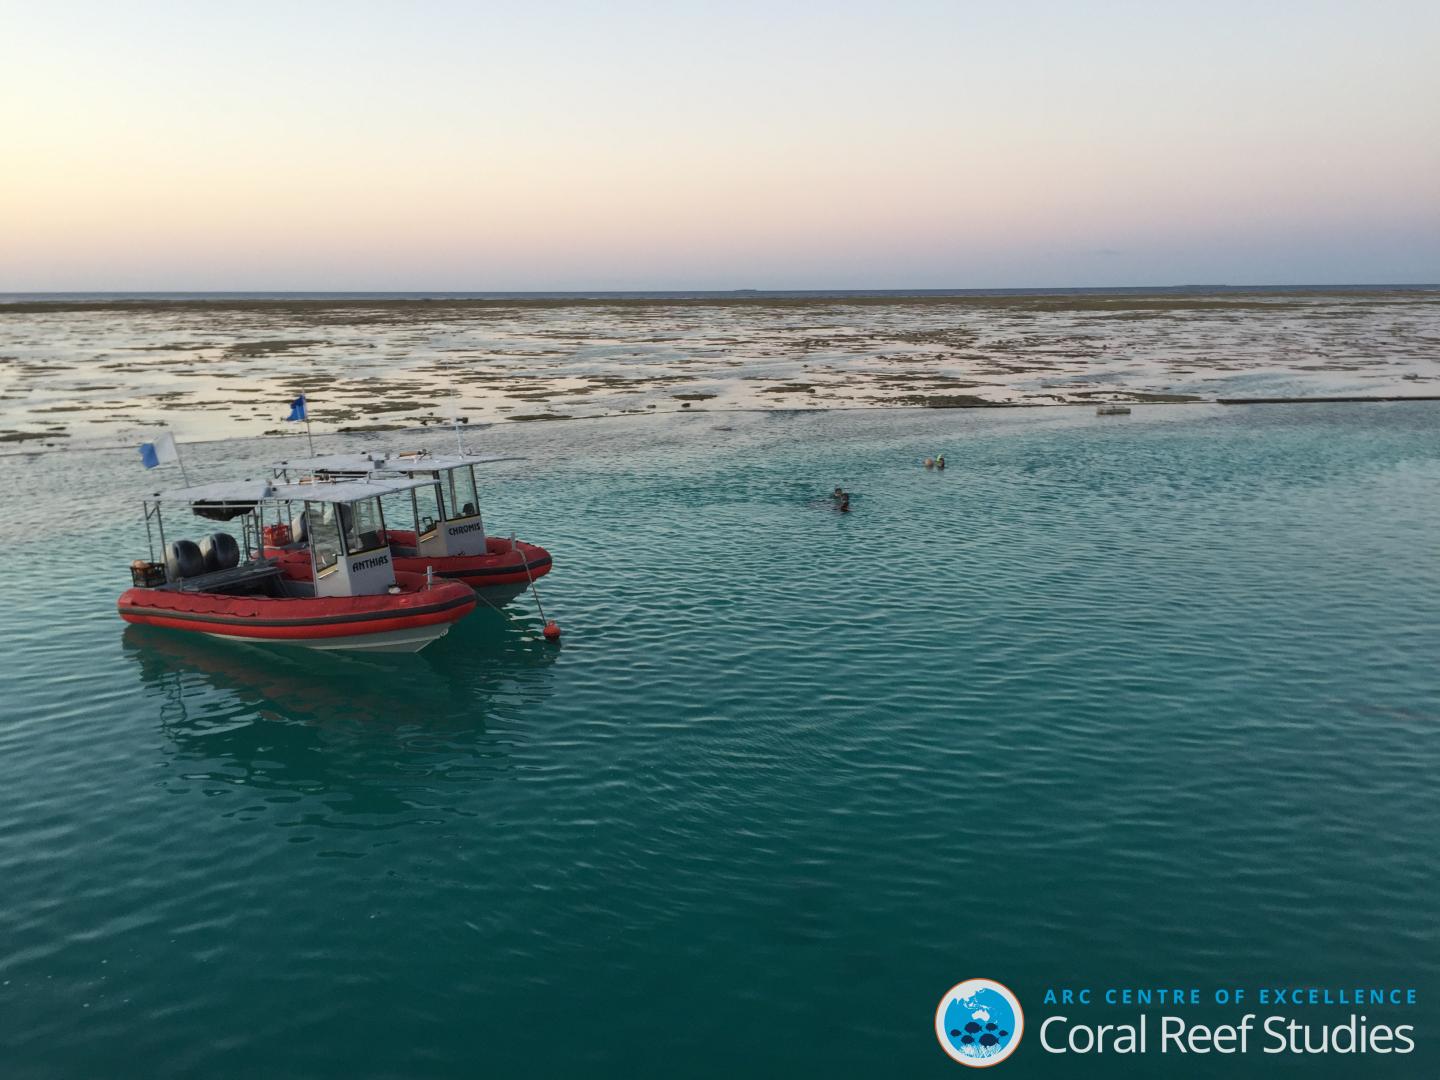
{"type": "Point", "coordinates": [551, 631]}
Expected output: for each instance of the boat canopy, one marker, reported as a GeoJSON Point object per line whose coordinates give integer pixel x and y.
{"type": "Point", "coordinates": [435, 462]}
{"type": "Point", "coordinates": [344, 491]}
{"type": "Point", "coordinates": [218, 502]}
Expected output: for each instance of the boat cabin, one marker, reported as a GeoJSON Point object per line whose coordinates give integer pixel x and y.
{"type": "Point", "coordinates": [342, 525]}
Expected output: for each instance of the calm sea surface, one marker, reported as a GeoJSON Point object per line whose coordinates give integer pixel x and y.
{"type": "Point", "coordinates": [1136, 701]}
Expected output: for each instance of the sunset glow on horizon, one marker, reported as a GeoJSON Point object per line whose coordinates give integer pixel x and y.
{"type": "Point", "coordinates": [557, 146]}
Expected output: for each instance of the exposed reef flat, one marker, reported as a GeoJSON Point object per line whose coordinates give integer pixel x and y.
{"type": "Point", "coordinates": [74, 372]}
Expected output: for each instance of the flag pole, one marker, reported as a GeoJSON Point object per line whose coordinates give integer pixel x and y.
{"type": "Point", "coordinates": [300, 410]}
{"type": "Point", "coordinates": [181, 462]}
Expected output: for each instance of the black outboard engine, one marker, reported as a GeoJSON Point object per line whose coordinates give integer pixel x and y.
{"type": "Point", "coordinates": [220, 551]}
{"type": "Point", "coordinates": [183, 559]}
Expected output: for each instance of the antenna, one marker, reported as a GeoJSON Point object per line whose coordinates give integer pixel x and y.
{"type": "Point", "coordinates": [455, 416]}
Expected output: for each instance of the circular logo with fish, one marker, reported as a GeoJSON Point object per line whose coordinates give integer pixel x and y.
{"type": "Point", "coordinates": [979, 1022]}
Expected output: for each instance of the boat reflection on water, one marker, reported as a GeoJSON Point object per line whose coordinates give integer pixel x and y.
{"type": "Point", "coordinates": [380, 733]}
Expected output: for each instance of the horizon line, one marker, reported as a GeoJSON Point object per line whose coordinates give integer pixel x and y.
{"type": "Point", "coordinates": [905, 290]}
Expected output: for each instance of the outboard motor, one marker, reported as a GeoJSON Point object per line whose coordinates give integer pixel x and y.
{"type": "Point", "coordinates": [299, 533]}
{"type": "Point", "coordinates": [220, 551]}
{"type": "Point", "coordinates": [183, 559]}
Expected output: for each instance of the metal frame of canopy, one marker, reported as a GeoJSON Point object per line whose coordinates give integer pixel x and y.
{"type": "Point", "coordinates": [248, 499]}
{"type": "Point", "coordinates": [241, 497]}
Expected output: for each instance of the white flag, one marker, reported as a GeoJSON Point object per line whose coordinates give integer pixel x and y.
{"type": "Point", "coordinates": [165, 452]}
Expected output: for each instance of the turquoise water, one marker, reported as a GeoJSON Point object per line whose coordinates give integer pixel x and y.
{"type": "Point", "coordinates": [1148, 700]}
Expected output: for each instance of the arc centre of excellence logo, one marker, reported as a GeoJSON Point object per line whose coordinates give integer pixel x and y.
{"type": "Point", "coordinates": [979, 1022]}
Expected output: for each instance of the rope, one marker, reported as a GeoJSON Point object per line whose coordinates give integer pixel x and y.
{"type": "Point", "coordinates": [525, 562]}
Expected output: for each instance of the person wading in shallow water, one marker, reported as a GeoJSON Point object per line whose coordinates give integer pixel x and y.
{"type": "Point", "coordinates": [842, 500]}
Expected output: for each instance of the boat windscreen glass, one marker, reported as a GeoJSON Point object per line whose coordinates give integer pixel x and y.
{"type": "Point", "coordinates": [460, 498]}
{"type": "Point", "coordinates": [427, 509]}
{"type": "Point", "coordinates": [324, 528]}
{"type": "Point", "coordinates": [363, 525]}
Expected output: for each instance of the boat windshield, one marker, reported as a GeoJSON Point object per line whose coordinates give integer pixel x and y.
{"type": "Point", "coordinates": [323, 526]}
{"type": "Point", "coordinates": [363, 525]}
{"type": "Point", "coordinates": [460, 498]}
{"type": "Point", "coordinates": [427, 509]}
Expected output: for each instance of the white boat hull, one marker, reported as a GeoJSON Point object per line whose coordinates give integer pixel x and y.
{"type": "Point", "coordinates": [409, 640]}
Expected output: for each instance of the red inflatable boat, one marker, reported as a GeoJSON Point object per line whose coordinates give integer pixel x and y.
{"type": "Point", "coordinates": [404, 621]}
{"type": "Point", "coordinates": [346, 595]}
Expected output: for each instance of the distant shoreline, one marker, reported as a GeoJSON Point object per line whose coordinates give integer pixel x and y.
{"type": "Point", "coordinates": [220, 300]}
{"type": "Point", "coordinates": [97, 368]}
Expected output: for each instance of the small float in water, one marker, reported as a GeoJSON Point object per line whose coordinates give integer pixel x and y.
{"type": "Point", "coordinates": [447, 534]}
{"type": "Point", "coordinates": [1113, 409]}
{"type": "Point", "coordinates": [344, 593]}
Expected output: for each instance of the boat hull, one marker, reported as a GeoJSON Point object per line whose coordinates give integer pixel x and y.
{"type": "Point", "coordinates": [405, 622]}
{"type": "Point", "coordinates": [386, 641]}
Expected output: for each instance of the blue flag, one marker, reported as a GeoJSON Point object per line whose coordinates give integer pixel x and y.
{"type": "Point", "coordinates": [297, 409]}
{"type": "Point", "coordinates": [148, 457]}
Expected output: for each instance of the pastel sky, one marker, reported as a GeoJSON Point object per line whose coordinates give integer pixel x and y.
{"type": "Point", "coordinates": [629, 145]}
